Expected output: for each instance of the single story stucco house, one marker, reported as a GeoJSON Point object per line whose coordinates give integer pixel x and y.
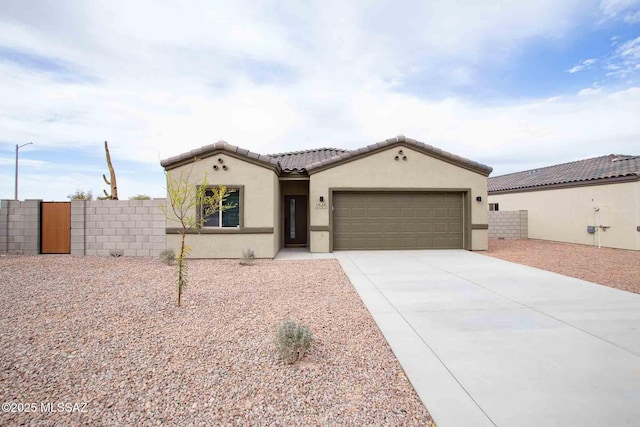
{"type": "Point", "coordinates": [395, 194]}
{"type": "Point", "coordinates": [593, 201]}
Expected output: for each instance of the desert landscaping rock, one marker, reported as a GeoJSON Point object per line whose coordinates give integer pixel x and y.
{"type": "Point", "coordinates": [107, 332]}
{"type": "Point", "coordinates": [617, 268]}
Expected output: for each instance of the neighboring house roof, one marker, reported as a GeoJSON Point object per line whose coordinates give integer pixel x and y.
{"type": "Point", "coordinates": [598, 170]}
{"type": "Point", "coordinates": [315, 160]}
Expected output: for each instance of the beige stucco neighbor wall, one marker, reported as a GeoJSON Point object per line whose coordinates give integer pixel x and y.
{"type": "Point", "coordinates": [564, 214]}
{"type": "Point", "coordinates": [380, 170]}
{"type": "Point", "coordinates": [259, 208]}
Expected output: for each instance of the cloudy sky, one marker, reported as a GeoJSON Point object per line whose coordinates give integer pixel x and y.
{"type": "Point", "coordinates": [512, 84]}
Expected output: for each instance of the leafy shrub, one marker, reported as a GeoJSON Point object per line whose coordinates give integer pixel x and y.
{"type": "Point", "coordinates": [248, 256]}
{"type": "Point", "coordinates": [168, 256]}
{"type": "Point", "coordinates": [292, 341]}
{"type": "Point", "coordinates": [81, 195]}
{"type": "Point", "coordinates": [140, 197]}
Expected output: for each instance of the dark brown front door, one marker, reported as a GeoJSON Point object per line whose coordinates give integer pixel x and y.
{"type": "Point", "coordinates": [295, 220]}
{"type": "Point", "coordinates": [56, 228]}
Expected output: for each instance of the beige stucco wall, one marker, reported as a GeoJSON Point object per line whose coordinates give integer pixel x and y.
{"type": "Point", "coordinates": [380, 170]}
{"type": "Point", "coordinates": [563, 215]}
{"type": "Point", "coordinates": [260, 208]}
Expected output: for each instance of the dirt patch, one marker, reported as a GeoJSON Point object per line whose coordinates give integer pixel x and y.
{"type": "Point", "coordinates": [107, 332]}
{"type": "Point", "coordinates": [617, 268]}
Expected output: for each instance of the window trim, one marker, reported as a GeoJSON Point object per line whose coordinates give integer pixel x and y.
{"type": "Point", "coordinates": [240, 225]}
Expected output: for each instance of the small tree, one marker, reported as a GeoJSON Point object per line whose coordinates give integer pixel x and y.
{"type": "Point", "coordinates": [140, 197]}
{"type": "Point", "coordinates": [81, 195]}
{"type": "Point", "coordinates": [190, 205]}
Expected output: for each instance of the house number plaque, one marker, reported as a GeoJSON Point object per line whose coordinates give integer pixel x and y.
{"type": "Point", "coordinates": [321, 205]}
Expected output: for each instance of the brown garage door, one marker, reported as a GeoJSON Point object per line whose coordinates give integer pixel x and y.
{"type": "Point", "coordinates": [56, 228]}
{"type": "Point", "coordinates": [374, 220]}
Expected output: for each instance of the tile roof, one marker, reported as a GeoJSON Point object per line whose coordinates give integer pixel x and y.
{"type": "Point", "coordinates": [208, 150]}
{"type": "Point", "coordinates": [320, 158]}
{"type": "Point", "coordinates": [297, 161]}
{"type": "Point", "coordinates": [611, 167]}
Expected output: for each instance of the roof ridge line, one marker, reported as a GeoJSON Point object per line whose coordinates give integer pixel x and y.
{"type": "Point", "coordinates": [288, 153]}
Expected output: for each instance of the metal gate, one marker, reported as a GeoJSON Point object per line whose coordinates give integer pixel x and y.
{"type": "Point", "coordinates": [55, 228]}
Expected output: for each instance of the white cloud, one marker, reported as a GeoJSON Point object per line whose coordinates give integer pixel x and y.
{"type": "Point", "coordinates": [581, 66]}
{"type": "Point", "coordinates": [11, 161]}
{"type": "Point", "coordinates": [589, 91]}
{"type": "Point", "coordinates": [156, 80]}
{"type": "Point", "coordinates": [627, 10]}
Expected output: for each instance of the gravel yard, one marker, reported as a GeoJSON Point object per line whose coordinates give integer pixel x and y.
{"type": "Point", "coordinates": [107, 332]}
{"type": "Point", "coordinates": [617, 268]}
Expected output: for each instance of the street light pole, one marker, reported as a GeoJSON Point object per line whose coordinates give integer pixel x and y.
{"type": "Point", "coordinates": [17, 148]}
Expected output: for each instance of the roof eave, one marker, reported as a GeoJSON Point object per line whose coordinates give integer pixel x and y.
{"type": "Point", "coordinates": [218, 148]}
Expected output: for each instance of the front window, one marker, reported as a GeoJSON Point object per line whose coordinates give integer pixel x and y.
{"type": "Point", "coordinates": [493, 207]}
{"type": "Point", "coordinates": [228, 212]}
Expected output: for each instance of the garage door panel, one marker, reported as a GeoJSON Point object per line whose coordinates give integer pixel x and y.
{"type": "Point", "coordinates": [423, 212]}
{"type": "Point", "coordinates": [455, 227]}
{"type": "Point", "coordinates": [440, 227]}
{"type": "Point", "coordinates": [341, 212]}
{"type": "Point", "coordinates": [374, 227]}
{"type": "Point", "coordinates": [440, 212]}
{"type": "Point", "coordinates": [391, 227]}
{"type": "Point", "coordinates": [407, 212]}
{"type": "Point", "coordinates": [386, 220]}
{"type": "Point", "coordinates": [391, 213]}
{"type": "Point", "coordinates": [359, 227]}
{"type": "Point", "coordinates": [424, 227]}
{"type": "Point", "coordinates": [407, 227]}
{"type": "Point", "coordinates": [374, 212]}
{"type": "Point", "coordinates": [455, 241]}
{"type": "Point", "coordinates": [440, 242]}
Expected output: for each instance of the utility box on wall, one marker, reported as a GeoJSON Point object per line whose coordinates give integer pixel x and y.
{"type": "Point", "coordinates": [591, 229]}
{"type": "Point", "coordinates": [603, 217]}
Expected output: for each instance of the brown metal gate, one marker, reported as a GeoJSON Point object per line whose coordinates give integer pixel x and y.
{"type": "Point", "coordinates": [55, 228]}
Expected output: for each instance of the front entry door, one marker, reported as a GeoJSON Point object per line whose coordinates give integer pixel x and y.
{"type": "Point", "coordinates": [295, 220]}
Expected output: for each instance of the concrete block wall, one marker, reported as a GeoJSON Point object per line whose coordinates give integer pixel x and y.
{"type": "Point", "coordinates": [508, 224]}
{"type": "Point", "coordinates": [128, 227]}
{"type": "Point", "coordinates": [20, 227]}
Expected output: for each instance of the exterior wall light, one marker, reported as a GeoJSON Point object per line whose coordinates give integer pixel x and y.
{"type": "Point", "coordinates": [479, 199]}
{"type": "Point", "coordinates": [321, 199]}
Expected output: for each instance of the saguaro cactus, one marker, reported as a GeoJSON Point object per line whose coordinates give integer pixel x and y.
{"type": "Point", "coordinates": [112, 182]}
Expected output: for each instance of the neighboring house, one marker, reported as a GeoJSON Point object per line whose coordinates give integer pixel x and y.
{"type": "Point", "coordinates": [594, 201]}
{"type": "Point", "coordinates": [395, 194]}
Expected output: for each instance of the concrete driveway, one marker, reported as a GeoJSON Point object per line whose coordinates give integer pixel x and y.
{"type": "Point", "coordinates": [488, 342]}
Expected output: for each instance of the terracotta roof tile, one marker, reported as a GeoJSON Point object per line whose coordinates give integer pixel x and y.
{"type": "Point", "coordinates": [297, 161]}
{"type": "Point", "coordinates": [613, 166]}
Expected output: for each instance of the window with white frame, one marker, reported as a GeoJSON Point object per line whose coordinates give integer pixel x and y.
{"type": "Point", "coordinates": [228, 212]}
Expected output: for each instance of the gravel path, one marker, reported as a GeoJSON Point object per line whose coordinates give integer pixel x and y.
{"type": "Point", "coordinates": [617, 268]}
{"type": "Point", "coordinates": [107, 332]}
